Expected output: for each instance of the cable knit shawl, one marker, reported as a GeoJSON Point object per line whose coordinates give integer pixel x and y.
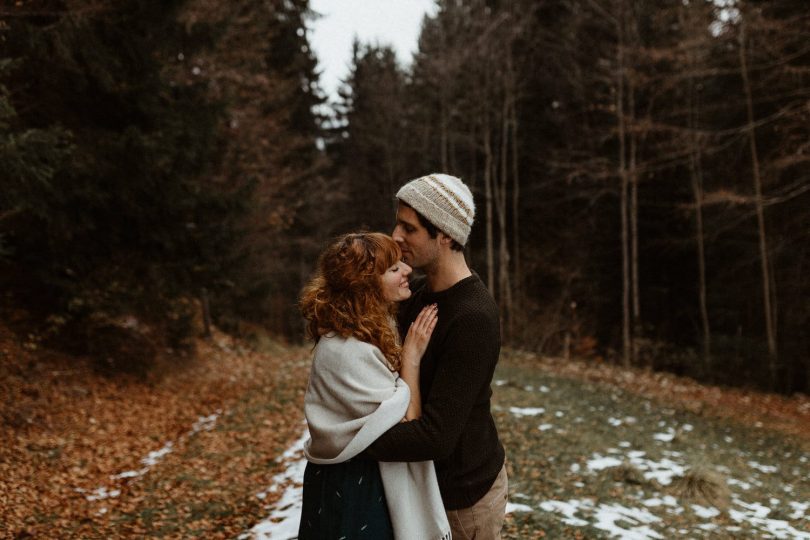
{"type": "Point", "coordinates": [353, 398]}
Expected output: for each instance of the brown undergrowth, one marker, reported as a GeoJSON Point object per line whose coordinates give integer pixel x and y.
{"type": "Point", "coordinates": [67, 433]}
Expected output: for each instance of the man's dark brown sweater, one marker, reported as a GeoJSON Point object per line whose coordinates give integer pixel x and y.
{"type": "Point", "coordinates": [456, 429]}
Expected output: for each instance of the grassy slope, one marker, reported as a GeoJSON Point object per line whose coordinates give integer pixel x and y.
{"type": "Point", "coordinates": [584, 421]}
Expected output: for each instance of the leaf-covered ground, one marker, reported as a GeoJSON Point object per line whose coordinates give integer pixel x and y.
{"type": "Point", "coordinates": [178, 456]}
{"type": "Point", "coordinates": [208, 449]}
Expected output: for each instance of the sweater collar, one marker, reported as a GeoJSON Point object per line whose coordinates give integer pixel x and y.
{"type": "Point", "coordinates": [431, 297]}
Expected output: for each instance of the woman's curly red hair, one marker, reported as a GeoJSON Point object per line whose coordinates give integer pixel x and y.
{"type": "Point", "coordinates": [346, 296]}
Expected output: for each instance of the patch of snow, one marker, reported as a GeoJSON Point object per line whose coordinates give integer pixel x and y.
{"type": "Point", "coordinates": [151, 459]}
{"type": "Point", "coordinates": [625, 444]}
{"type": "Point", "coordinates": [568, 509]}
{"type": "Point", "coordinates": [608, 516]}
{"type": "Point", "coordinates": [514, 507]}
{"type": "Point", "coordinates": [728, 439]}
{"type": "Point", "coordinates": [544, 427]}
{"type": "Point", "coordinates": [156, 456]}
{"type": "Point", "coordinates": [615, 422]}
{"type": "Point", "coordinates": [544, 389]}
{"type": "Point", "coordinates": [739, 483]}
{"type": "Point", "coordinates": [526, 411]}
{"type": "Point", "coordinates": [799, 509]}
{"type": "Point", "coordinates": [665, 437]}
{"type": "Point", "coordinates": [575, 467]}
{"type": "Point", "coordinates": [559, 414]}
{"type": "Point", "coordinates": [129, 474]}
{"type": "Point", "coordinates": [662, 471]}
{"type": "Point", "coordinates": [103, 493]}
{"type": "Point", "coordinates": [599, 462]}
{"type": "Point", "coordinates": [706, 512]}
{"type": "Point", "coordinates": [283, 521]}
{"type": "Point", "coordinates": [763, 468]}
{"type": "Point", "coordinates": [529, 388]}
{"type": "Point", "coordinates": [205, 423]}
{"type": "Point", "coordinates": [756, 515]}
{"type": "Point", "coordinates": [667, 500]}
{"type": "Point", "coordinates": [499, 382]}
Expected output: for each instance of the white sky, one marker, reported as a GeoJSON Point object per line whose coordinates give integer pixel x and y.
{"type": "Point", "coordinates": [385, 22]}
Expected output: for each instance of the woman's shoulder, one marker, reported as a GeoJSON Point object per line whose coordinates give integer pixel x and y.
{"type": "Point", "coordinates": [334, 345]}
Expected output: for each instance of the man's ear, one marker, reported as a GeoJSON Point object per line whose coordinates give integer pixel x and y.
{"type": "Point", "coordinates": [444, 239]}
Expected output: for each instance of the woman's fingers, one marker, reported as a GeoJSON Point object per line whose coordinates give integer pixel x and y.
{"type": "Point", "coordinates": [426, 318]}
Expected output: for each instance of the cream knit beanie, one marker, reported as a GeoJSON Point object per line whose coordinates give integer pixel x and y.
{"type": "Point", "coordinates": [444, 201]}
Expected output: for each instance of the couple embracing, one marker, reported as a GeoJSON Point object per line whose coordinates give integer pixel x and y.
{"type": "Point", "coordinates": [402, 443]}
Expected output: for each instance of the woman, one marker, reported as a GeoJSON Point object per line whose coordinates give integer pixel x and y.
{"type": "Point", "coordinates": [363, 382]}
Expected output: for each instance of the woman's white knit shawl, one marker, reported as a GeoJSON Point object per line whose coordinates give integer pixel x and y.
{"type": "Point", "coordinates": [353, 398]}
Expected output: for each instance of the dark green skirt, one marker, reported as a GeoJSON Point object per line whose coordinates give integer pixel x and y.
{"type": "Point", "coordinates": [344, 502]}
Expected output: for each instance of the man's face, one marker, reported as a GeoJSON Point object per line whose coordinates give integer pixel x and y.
{"type": "Point", "coordinates": [418, 249]}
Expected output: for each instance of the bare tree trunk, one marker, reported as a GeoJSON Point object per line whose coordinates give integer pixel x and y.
{"type": "Point", "coordinates": [517, 282]}
{"type": "Point", "coordinates": [696, 170]}
{"type": "Point", "coordinates": [696, 174]}
{"type": "Point", "coordinates": [627, 341]}
{"type": "Point", "coordinates": [633, 175]}
{"type": "Point", "coordinates": [488, 207]}
{"type": "Point", "coordinates": [443, 130]}
{"type": "Point", "coordinates": [504, 286]}
{"type": "Point", "coordinates": [763, 244]}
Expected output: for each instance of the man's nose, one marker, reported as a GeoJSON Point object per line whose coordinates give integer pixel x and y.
{"type": "Point", "coordinates": [397, 234]}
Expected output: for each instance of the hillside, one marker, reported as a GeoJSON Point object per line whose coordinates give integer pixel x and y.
{"type": "Point", "coordinates": [200, 447]}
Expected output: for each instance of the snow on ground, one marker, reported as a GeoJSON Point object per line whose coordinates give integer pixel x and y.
{"type": "Point", "coordinates": [203, 423]}
{"type": "Point", "coordinates": [526, 411]}
{"type": "Point", "coordinates": [285, 515]}
{"type": "Point", "coordinates": [626, 521]}
{"type": "Point", "coordinates": [633, 523]}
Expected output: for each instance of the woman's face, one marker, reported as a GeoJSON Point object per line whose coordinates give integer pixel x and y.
{"type": "Point", "coordinates": [395, 282]}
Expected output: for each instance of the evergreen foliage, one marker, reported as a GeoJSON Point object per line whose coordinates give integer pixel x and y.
{"type": "Point", "coordinates": [621, 108]}
{"type": "Point", "coordinates": [125, 188]}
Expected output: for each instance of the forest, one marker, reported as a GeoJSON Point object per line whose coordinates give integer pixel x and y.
{"type": "Point", "coordinates": [641, 171]}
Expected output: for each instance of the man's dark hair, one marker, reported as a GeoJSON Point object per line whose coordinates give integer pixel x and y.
{"type": "Point", "coordinates": [432, 230]}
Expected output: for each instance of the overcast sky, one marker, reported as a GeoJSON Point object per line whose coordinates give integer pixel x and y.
{"type": "Point", "coordinates": [386, 22]}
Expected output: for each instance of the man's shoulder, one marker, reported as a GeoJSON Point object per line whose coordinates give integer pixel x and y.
{"type": "Point", "coordinates": [476, 298]}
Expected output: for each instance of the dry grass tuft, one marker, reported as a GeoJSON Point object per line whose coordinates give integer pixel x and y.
{"type": "Point", "coordinates": [628, 474]}
{"type": "Point", "coordinates": [703, 486]}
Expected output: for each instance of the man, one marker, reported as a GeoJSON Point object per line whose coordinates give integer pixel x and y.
{"type": "Point", "coordinates": [456, 430]}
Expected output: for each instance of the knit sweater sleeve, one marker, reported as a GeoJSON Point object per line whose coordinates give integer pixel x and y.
{"type": "Point", "coordinates": [464, 368]}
